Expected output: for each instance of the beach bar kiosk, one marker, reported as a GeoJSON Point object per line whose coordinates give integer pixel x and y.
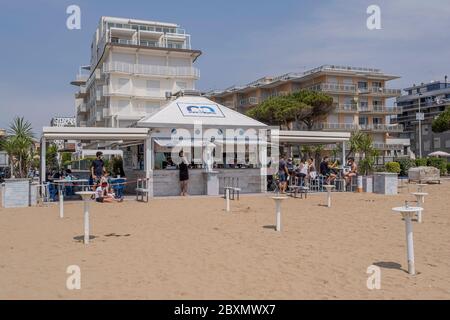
{"type": "Point", "coordinates": [220, 145]}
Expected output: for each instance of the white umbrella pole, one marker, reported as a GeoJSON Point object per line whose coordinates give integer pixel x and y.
{"type": "Point", "coordinates": [61, 203]}
{"type": "Point", "coordinates": [410, 245]}
{"type": "Point", "coordinates": [86, 222]}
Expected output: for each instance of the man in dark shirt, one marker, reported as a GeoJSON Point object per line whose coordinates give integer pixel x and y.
{"type": "Point", "coordinates": [97, 167]}
{"type": "Point", "coordinates": [325, 170]}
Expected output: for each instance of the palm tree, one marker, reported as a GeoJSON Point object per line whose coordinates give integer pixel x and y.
{"type": "Point", "coordinates": [18, 145]}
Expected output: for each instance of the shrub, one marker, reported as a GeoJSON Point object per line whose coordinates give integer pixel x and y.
{"type": "Point", "coordinates": [448, 167]}
{"type": "Point", "coordinates": [439, 163]}
{"type": "Point", "coordinates": [405, 165]}
{"type": "Point", "coordinates": [393, 167]}
{"type": "Point", "coordinates": [421, 162]}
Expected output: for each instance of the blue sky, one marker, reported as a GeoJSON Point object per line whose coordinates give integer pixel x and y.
{"type": "Point", "coordinates": [240, 40]}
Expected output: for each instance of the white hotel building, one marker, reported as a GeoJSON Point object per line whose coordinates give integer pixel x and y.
{"type": "Point", "coordinates": [134, 64]}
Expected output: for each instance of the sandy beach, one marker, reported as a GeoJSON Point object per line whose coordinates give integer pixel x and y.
{"type": "Point", "coordinates": [190, 248]}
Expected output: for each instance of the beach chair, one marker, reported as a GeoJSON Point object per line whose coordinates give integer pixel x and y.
{"type": "Point", "coordinates": [232, 184]}
{"type": "Point", "coordinates": [142, 189]}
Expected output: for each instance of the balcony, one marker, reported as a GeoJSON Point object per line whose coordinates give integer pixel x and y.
{"type": "Point", "coordinates": [334, 87]}
{"type": "Point", "coordinates": [137, 93]}
{"type": "Point", "coordinates": [385, 92]}
{"type": "Point", "coordinates": [169, 42]}
{"type": "Point", "coordinates": [382, 127]}
{"type": "Point", "coordinates": [377, 109]}
{"type": "Point", "coordinates": [354, 127]}
{"type": "Point", "coordinates": [81, 93]}
{"type": "Point", "coordinates": [81, 108]}
{"type": "Point", "coordinates": [387, 146]}
{"type": "Point", "coordinates": [336, 126]}
{"type": "Point", "coordinates": [251, 101]}
{"type": "Point", "coordinates": [346, 108]}
{"type": "Point", "coordinates": [151, 70]}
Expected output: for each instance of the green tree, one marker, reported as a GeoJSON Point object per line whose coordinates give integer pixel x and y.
{"type": "Point", "coordinates": [368, 154]}
{"type": "Point", "coordinates": [18, 145]}
{"type": "Point", "coordinates": [315, 106]}
{"type": "Point", "coordinates": [300, 107]}
{"type": "Point", "coordinates": [442, 123]}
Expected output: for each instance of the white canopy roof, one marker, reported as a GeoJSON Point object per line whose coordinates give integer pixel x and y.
{"type": "Point", "coordinates": [439, 154]}
{"type": "Point", "coordinates": [186, 111]}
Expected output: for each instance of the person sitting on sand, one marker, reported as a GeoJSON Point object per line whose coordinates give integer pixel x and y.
{"type": "Point", "coordinates": [102, 195]}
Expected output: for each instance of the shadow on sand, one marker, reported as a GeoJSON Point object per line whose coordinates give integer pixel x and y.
{"type": "Point", "coordinates": [389, 265]}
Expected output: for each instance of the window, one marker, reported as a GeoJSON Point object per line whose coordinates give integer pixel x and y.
{"type": "Point", "coordinates": [376, 84]}
{"type": "Point", "coordinates": [123, 84]}
{"type": "Point", "coordinates": [181, 85]}
{"type": "Point", "coordinates": [123, 106]}
{"type": "Point", "coordinates": [362, 85]}
{"type": "Point", "coordinates": [363, 121]}
{"type": "Point", "coordinates": [153, 86]}
{"type": "Point", "coordinates": [348, 81]}
{"type": "Point", "coordinates": [426, 145]}
{"type": "Point", "coordinates": [447, 143]}
{"type": "Point", "coordinates": [377, 120]}
{"type": "Point", "coordinates": [151, 107]}
{"type": "Point", "coordinates": [437, 143]}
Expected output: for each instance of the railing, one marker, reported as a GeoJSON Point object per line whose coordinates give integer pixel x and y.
{"type": "Point", "coordinates": [387, 146]}
{"type": "Point", "coordinates": [249, 101]}
{"type": "Point", "coordinates": [81, 108]}
{"type": "Point", "coordinates": [347, 108]}
{"type": "Point", "coordinates": [334, 87]}
{"type": "Point", "coordinates": [151, 70]}
{"type": "Point", "coordinates": [336, 126]}
{"type": "Point", "coordinates": [341, 68]}
{"type": "Point", "coordinates": [151, 43]}
{"type": "Point", "coordinates": [353, 127]}
{"type": "Point", "coordinates": [382, 127]}
{"type": "Point", "coordinates": [385, 91]}
{"type": "Point", "coordinates": [136, 92]}
{"type": "Point", "coordinates": [380, 109]}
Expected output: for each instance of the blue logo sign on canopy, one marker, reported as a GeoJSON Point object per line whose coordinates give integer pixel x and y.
{"type": "Point", "coordinates": [200, 110]}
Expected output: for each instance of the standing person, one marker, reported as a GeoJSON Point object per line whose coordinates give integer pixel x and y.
{"type": "Point", "coordinates": [312, 169]}
{"type": "Point", "coordinates": [184, 173]}
{"type": "Point", "coordinates": [282, 174]}
{"type": "Point", "coordinates": [97, 168]}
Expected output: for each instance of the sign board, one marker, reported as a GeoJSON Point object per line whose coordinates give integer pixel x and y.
{"type": "Point", "coordinates": [420, 116]}
{"type": "Point", "coordinates": [205, 110]}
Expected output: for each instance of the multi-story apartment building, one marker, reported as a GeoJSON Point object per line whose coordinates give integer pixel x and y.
{"type": "Point", "coordinates": [360, 100]}
{"type": "Point", "coordinates": [432, 98]}
{"type": "Point", "coordinates": [134, 64]}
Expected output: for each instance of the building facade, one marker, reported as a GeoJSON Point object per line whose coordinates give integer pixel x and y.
{"type": "Point", "coordinates": [134, 65]}
{"type": "Point", "coordinates": [433, 98]}
{"type": "Point", "coordinates": [361, 101]}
